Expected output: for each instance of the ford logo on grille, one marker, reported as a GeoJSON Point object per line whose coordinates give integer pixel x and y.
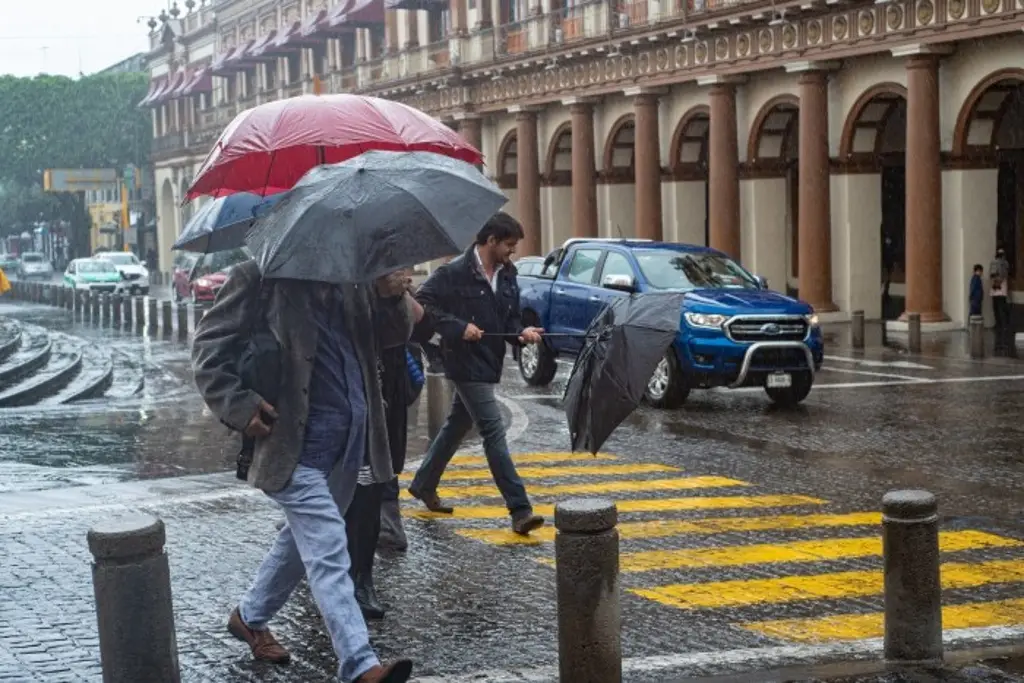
{"type": "Point", "coordinates": [771, 329]}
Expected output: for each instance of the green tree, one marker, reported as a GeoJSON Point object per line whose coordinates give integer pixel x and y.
{"type": "Point", "coordinates": [58, 122]}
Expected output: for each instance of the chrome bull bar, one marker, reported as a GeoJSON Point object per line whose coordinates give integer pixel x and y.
{"type": "Point", "coordinates": [748, 357]}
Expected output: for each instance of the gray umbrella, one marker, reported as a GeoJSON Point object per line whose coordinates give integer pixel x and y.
{"type": "Point", "coordinates": [373, 214]}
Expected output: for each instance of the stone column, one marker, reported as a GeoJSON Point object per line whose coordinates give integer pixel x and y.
{"type": "Point", "coordinates": [412, 29]}
{"type": "Point", "coordinates": [485, 14]}
{"type": "Point", "coordinates": [470, 128]}
{"type": "Point", "coordinates": [814, 231]}
{"type": "Point", "coordinates": [584, 170]}
{"type": "Point", "coordinates": [924, 190]}
{"type": "Point", "coordinates": [723, 171]}
{"type": "Point", "coordinates": [529, 182]}
{"type": "Point", "coordinates": [391, 45]}
{"type": "Point", "coordinates": [457, 9]}
{"type": "Point", "coordinates": [647, 166]}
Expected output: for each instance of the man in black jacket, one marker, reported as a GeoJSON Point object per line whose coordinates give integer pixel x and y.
{"type": "Point", "coordinates": [473, 304]}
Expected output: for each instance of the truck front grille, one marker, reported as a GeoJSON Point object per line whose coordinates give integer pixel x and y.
{"type": "Point", "coordinates": [767, 328]}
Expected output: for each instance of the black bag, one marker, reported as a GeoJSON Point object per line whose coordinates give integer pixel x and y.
{"type": "Point", "coordinates": [259, 367]}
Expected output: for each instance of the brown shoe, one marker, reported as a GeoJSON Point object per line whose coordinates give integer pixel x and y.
{"type": "Point", "coordinates": [430, 499]}
{"type": "Point", "coordinates": [263, 644]}
{"type": "Point", "coordinates": [396, 672]}
{"type": "Point", "coordinates": [525, 522]}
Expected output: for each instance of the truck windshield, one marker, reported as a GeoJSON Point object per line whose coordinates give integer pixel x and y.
{"type": "Point", "coordinates": [666, 269]}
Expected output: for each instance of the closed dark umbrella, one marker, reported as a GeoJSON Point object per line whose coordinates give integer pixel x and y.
{"type": "Point", "coordinates": [222, 223]}
{"type": "Point", "coordinates": [373, 214]}
{"type": "Point", "coordinates": [624, 345]}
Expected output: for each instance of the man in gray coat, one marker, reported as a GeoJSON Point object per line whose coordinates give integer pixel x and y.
{"type": "Point", "coordinates": [327, 424]}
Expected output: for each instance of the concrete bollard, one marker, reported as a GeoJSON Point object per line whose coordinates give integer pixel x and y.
{"type": "Point", "coordinates": [197, 315]}
{"type": "Point", "coordinates": [129, 311]}
{"type": "Point", "coordinates": [118, 309]}
{"type": "Point", "coordinates": [182, 320]}
{"type": "Point", "coordinates": [914, 332]}
{"type": "Point", "coordinates": [132, 583]}
{"type": "Point", "coordinates": [976, 330]}
{"type": "Point", "coordinates": [152, 314]}
{"type": "Point", "coordinates": [913, 594]}
{"type": "Point", "coordinates": [166, 318]}
{"type": "Point", "coordinates": [587, 591]}
{"type": "Point", "coordinates": [94, 305]}
{"type": "Point", "coordinates": [140, 311]}
{"type": "Point", "coordinates": [439, 401]}
{"type": "Point", "coordinates": [108, 304]}
{"type": "Point", "coordinates": [154, 278]}
{"type": "Point", "coordinates": [857, 329]}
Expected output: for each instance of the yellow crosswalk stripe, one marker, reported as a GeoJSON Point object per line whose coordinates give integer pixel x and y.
{"type": "Point", "coordinates": [821, 586]}
{"type": "Point", "coordinates": [618, 486]}
{"type": "Point", "coordinates": [818, 550]}
{"type": "Point", "coordinates": [638, 505]}
{"type": "Point", "coordinates": [861, 626]}
{"type": "Point", "coordinates": [549, 472]}
{"type": "Point", "coordinates": [530, 458]}
{"type": "Point", "coordinates": [661, 528]}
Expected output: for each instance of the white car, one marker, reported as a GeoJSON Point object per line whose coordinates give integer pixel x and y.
{"type": "Point", "coordinates": [135, 274]}
{"type": "Point", "coordinates": [34, 264]}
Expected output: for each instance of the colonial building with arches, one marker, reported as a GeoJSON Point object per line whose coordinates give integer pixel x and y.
{"type": "Point", "coordinates": [819, 141]}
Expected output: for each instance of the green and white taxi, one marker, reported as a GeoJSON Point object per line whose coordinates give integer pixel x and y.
{"type": "Point", "coordinates": [97, 275]}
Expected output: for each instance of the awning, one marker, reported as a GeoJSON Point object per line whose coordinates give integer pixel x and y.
{"type": "Point", "coordinates": [173, 83]}
{"type": "Point", "coordinates": [426, 5]}
{"type": "Point", "coordinates": [257, 53]}
{"type": "Point", "coordinates": [314, 23]}
{"type": "Point", "coordinates": [181, 79]}
{"type": "Point", "coordinates": [240, 58]}
{"type": "Point", "coordinates": [220, 67]}
{"type": "Point", "coordinates": [201, 82]}
{"type": "Point", "coordinates": [288, 41]}
{"type": "Point", "coordinates": [357, 14]}
{"type": "Point", "coordinates": [154, 86]}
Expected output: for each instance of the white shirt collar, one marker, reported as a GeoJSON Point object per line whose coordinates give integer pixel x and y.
{"type": "Point", "coordinates": [480, 264]}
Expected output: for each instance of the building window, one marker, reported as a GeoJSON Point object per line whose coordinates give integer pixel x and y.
{"type": "Point", "coordinates": [294, 68]}
{"type": "Point", "coordinates": [439, 26]}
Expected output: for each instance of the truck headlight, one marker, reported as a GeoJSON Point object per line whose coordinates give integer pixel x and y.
{"type": "Point", "coordinates": [812, 319]}
{"type": "Point", "coordinates": [203, 282]}
{"type": "Point", "coordinates": [705, 320]}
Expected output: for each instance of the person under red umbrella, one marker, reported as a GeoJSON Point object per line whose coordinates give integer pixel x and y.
{"type": "Point", "coordinates": [268, 148]}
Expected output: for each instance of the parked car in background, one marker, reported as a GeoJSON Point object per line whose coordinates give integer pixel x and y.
{"type": "Point", "coordinates": [136, 275]}
{"type": "Point", "coordinates": [207, 275]}
{"type": "Point", "coordinates": [94, 274]}
{"type": "Point", "coordinates": [733, 331]}
{"type": "Point", "coordinates": [35, 265]}
{"type": "Point", "coordinates": [9, 263]}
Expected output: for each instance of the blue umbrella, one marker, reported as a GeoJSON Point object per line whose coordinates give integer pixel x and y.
{"type": "Point", "coordinates": [222, 223]}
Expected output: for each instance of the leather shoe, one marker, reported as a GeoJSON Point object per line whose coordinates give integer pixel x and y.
{"type": "Point", "coordinates": [525, 522]}
{"type": "Point", "coordinates": [366, 596]}
{"type": "Point", "coordinates": [396, 672]}
{"type": "Point", "coordinates": [262, 643]}
{"type": "Point", "coordinates": [431, 500]}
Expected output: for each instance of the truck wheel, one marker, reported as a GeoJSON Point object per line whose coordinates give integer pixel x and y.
{"type": "Point", "coordinates": [793, 394]}
{"type": "Point", "coordinates": [667, 387]}
{"type": "Point", "coordinates": [537, 364]}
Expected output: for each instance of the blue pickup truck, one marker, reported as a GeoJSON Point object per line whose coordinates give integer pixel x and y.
{"type": "Point", "coordinates": [733, 330]}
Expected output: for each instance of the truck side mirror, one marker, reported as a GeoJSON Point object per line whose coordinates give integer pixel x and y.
{"type": "Point", "coordinates": [762, 282]}
{"type": "Point", "coordinates": [622, 283]}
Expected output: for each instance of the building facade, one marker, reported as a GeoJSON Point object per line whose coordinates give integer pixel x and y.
{"type": "Point", "coordinates": [821, 142]}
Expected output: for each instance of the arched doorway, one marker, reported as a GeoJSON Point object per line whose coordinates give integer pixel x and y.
{"type": "Point", "coordinates": [557, 182]}
{"type": "Point", "coordinates": [772, 151]}
{"type": "Point", "coordinates": [874, 140]}
{"type": "Point", "coordinates": [618, 177]}
{"type": "Point", "coordinates": [688, 161]}
{"type": "Point", "coordinates": [166, 229]}
{"type": "Point", "coordinates": [990, 134]}
{"type": "Point", "coordinates": [189, 209]}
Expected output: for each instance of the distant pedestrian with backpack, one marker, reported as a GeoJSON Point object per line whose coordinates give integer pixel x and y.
{"type": "Point", "coordinates": [327, 423]}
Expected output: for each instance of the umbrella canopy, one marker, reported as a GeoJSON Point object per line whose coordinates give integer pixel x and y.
{"type": "Point", "coordinates": [267, 149]}
{"type": "Point", "coordinates": [223, 223]}
{"type": "Point", "coordinates": [373, 214]}
{"type": "Point", "coordinates": [624, 345]}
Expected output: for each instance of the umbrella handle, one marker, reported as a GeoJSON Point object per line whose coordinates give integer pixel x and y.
{"type": "Point", "coordinates": [514, 335]}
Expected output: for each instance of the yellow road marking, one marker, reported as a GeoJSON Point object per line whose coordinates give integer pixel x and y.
{"type": "Point", "coordinates": [797, 551]}
{"type": "Point", "coordinates": [662, 528]}
{"type": "Point", "coordinates": [535, 458]}
{"type": "Point", "coordinates": [860, 626]}
{"type": "Point", "coordinates": [551, 472]}
{"type": "Point", "coordinates": [641, 505]}
{"type": "Point", "coordinates": [620, 486]}
{"type": "Point", "coordinates": [820, 587]}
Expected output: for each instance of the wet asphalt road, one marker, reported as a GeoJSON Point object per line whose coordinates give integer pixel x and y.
{"type": "Point", "coordinates": [736, 517]}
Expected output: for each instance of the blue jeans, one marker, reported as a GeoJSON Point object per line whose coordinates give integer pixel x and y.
{"type": "Point", "coordinates": [313, 544]}
{"type": "Point", "coordinates": [474, 402]}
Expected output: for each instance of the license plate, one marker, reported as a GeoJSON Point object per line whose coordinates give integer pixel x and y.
{"type": "Point", "coordinates": [779, 380]}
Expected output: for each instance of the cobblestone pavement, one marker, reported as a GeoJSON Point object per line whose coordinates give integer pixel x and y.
{"type": "Point", "coordinates": [749, 538]}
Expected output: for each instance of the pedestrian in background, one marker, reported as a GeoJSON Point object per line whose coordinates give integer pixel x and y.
{"type": "Point", "coordinates": [328, 422]}
{"type": "Point", "coordinates": [976, 295]}
{"type": "Point", "coordinates": [473, 304]}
